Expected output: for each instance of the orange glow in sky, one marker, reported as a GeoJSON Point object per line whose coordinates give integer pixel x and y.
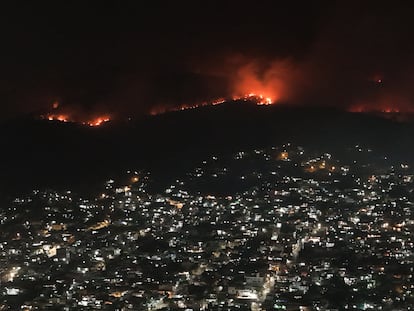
{"type": "Point", "coordinates": [268, 84]}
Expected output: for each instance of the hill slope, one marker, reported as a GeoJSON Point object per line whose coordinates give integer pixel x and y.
{"type": "Point", "coordinates": [52, 154]}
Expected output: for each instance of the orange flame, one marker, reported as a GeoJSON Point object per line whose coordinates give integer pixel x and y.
{"type": "Point", "coordinates": [98, 121]}
{"type": "Point", "coordinates": [66, 118]}
{"type": "Point", "coordinates": [260, 99]}
{"type": "Point", "coordinates": [267, 85]}
{"type": "Point", "coordinates": [58, 117]}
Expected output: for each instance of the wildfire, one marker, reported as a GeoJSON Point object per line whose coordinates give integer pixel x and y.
{"type": "Point", "coordinates": [98, 121]}
{"type": "Point", "coordinates": [66, 118]}
{"type": "Point", "coordinates": [398, 113]}
{"type": "Point", "coordinates": [258, 99]}
{"type": "Point", "coordinates": [58, 117]}
{"type": "Point", "coordinates": [218, 101]}
{"type": "Point", "coordinates": [369, 108]}
{"type": "Point", "coordinates": [388, 103]}
{"type": "Point", "coordinates": [390, 110]}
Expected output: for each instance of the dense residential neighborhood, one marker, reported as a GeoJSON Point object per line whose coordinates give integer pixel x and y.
{"type": "Point", "coordinates": [271, 229]}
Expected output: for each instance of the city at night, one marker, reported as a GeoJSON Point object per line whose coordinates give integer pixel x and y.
{"type": "Point", "coordinates": [206, 155]}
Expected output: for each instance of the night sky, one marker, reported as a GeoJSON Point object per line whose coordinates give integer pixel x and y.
{"type": "Point", "coordinates": [129, 58]}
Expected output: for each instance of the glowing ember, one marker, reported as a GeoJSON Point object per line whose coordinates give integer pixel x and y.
{"type": "Point", "coordinates": [259, 98]}
{"type": "Point", "coordinates": [65, 118]}
{"type": "Point", "coordinates": [97, 121]}
{"type": "Point", "coordinates": [218, 101]}
{"type": "Point", "coordinates": [391, 110]}
{"type": "Point", "coordinates": [58, 117]}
